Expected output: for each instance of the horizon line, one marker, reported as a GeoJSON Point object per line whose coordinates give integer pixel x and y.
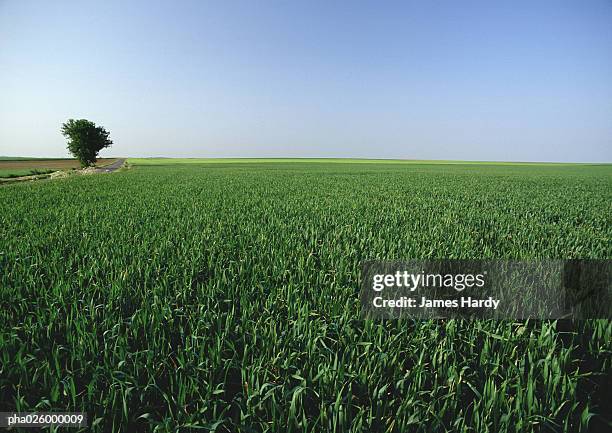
{"type": "Point", "coordinates": [308, 158]}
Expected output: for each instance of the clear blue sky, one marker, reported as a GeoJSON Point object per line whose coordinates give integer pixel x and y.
{"type": "Point", "coordinates": [475, 80]}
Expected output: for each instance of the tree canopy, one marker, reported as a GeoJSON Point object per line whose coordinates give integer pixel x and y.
{"type": "Point", "coordinates": [85, 140]}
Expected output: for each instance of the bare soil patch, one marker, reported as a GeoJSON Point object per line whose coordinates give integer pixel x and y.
{"type": "Point", "coordinates": [60, 164]}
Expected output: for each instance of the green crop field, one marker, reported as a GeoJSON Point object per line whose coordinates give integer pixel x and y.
{"type": "Point", "coordinates": [200, 161]}
{"type": "Point", "coordinates": [223, 295]}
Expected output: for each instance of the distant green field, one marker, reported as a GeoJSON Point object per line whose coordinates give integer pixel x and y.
{"type": "Point", "coordinates": [167, 161]}
{"type": "Point", "coordinates": [9, 173]}
{"type": "Point", "coordinates": [24, 158]}
{"type": "Point", "coordinates": [223, 296]}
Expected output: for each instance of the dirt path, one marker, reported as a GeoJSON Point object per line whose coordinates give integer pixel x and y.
{"type": "Point", "coordinates": [111, 167]}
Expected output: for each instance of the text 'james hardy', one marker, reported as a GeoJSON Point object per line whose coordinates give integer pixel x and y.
{"type": "Point", "coordinates": [463, 302]}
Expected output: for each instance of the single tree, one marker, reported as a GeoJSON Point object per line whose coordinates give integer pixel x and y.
{"type": "Point", "coordinates": [85, 140]}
